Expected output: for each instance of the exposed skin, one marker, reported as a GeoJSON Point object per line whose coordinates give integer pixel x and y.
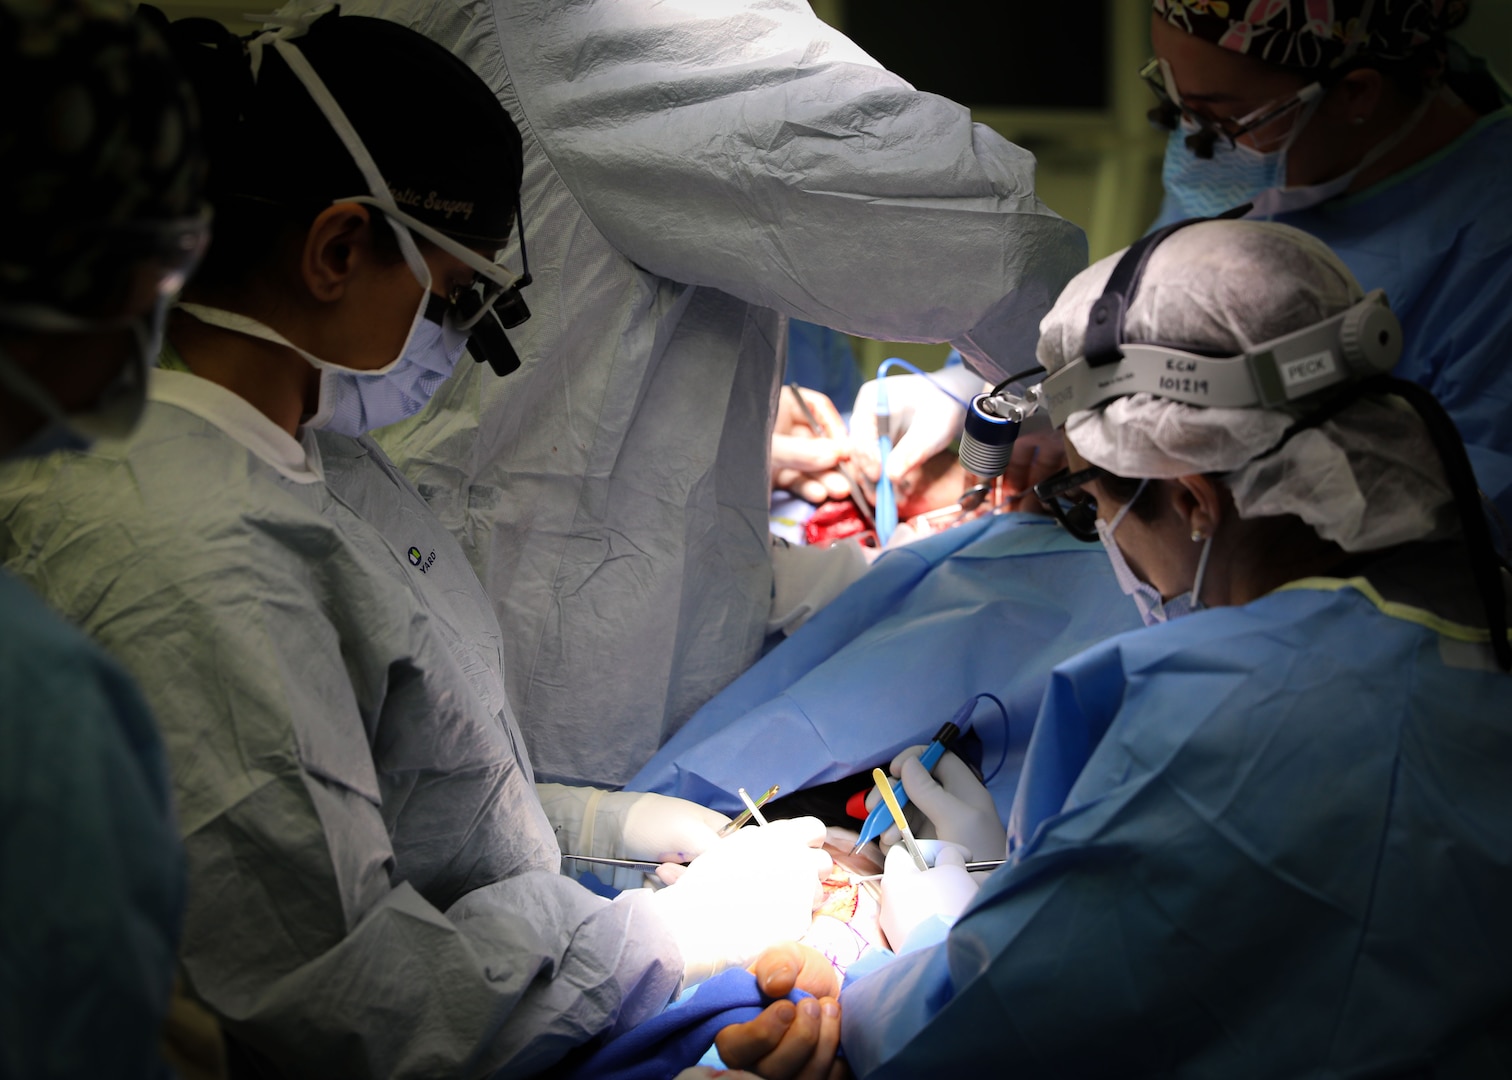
{"type": "Point", "coordinates": [1356, 114]}
{"type": "Point", "coordinates": [333, 294]}
{"type": "Point", "coordinates": [788, 1042]}
{"type": "Point", "coordinates": [1250, 556]}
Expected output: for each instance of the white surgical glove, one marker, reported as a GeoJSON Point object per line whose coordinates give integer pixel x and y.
{"type": "Point", "coordinates": [626, 825]}
{"type": "Point", "coordinates": [956, 806]}
{"type": "Point", "coordinates": [920, 906]}
{"type": "Point", "coordinates": [746, 893]}
{"type": "Point", "coordinates": [924, 421]}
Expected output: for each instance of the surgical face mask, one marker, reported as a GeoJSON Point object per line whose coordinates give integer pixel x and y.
{"type": "Point", "coordinates": [1234, 175]}
{"type": "Point", "coordinates": [116, 410]}
{"type": "Point", "coordinates": [1152, 607]}
{"type": "Point", "coordinates": [1238, 174]}
{"type": "Point", "coordinates": [355, 403]}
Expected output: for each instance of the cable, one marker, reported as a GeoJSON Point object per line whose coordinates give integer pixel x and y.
{"type": "Point", "coordinates": [897, 361]}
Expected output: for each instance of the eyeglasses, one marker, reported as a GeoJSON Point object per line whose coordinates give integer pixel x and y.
{"type": "Point", "coordinates": [1170, 111]}
{"type": "Point", "coordinates": [1070, 504]}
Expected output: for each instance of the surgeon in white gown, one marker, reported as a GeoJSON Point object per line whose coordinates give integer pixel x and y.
{"type": "Point", "coordinates": [373, 883]}
{"type": "Point", "coordinates": [694, 173]}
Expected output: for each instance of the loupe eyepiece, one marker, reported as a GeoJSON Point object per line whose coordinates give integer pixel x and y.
{"type": "Point", "coordinates": [510, 307]}
{"type": "Point", "coordinates": [1165, 115]}
{"type": "Point", "coordinates": [1201, 143]}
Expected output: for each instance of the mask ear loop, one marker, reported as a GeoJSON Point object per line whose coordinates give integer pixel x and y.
{"type": "Point", "coordinates": [1202, 561]}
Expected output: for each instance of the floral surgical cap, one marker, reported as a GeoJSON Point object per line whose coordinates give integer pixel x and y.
{"type": "Point", "coordinates": [99, 130]}
{"type": "Point", "coordinates": [1317, 34]}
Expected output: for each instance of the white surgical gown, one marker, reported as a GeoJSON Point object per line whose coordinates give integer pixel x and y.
{"type": "Point", "coordinates": [374, 889]}
{"type": "Point", "coordinates": [1287, 856]}
{"type": "Point", "coordinates": [91, 873]}
{"type": "Point", "coordinates": [693, 173]}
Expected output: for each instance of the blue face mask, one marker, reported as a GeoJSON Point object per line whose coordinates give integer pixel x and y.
{"type": "Point", "coordinates": [362, 402]}
{"type": "Point", "coordinates": [1234, 175]}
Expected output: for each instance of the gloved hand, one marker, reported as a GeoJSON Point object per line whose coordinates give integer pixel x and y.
{"type": "Point", "coordinates": [626, 825]}
{"type": "Point", "coordinates": [749, 891]}
{"type": "Point", "coordinates": [956, 806]}
{"type": "Point", "coordinates": [918, 906]}
{"type": "Point", "coordinates": [924, 421]}
{"type": "Point", "coordinates": [804, 456]}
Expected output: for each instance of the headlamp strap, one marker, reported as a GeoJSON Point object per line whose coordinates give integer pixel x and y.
{"type": "Point", "coordinates": [1105, 323]}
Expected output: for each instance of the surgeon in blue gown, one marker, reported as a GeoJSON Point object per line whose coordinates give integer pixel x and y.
{"type": "Point", "coordinates": [1400, 168]}
{"type": "Point", "coordinates": [1266, 838]}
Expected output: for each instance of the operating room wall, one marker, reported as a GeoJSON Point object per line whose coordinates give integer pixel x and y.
{"type": "Point", "coordinates": [1097, 167]}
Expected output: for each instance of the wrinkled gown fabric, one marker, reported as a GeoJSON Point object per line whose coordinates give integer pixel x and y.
{"type": "Point", "coordinates": [373, 886]}
{"type": "Point", "coordinates": [91, 871]}
{"type": "Point", "coordinates": [1286, 856]}
{"type": "Point", "coordinates": [693, 174]}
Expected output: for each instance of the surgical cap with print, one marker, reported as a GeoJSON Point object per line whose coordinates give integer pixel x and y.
{"type": "Point", "coordinates": [1367, 478]}
{"type": "Point", "coordinates": [1315, 35]}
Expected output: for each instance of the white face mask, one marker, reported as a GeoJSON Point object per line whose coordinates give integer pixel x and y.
{"type": "Point", "coordinates": [1152, 607]}
{"type": "Point", "coordinates": [353, 404]}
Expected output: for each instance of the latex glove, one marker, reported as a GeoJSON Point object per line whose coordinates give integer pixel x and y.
{"type": "Point", "coordinates": [626, 825]}
{"type": "Point", "coordinates": [919, 906]}
{"type": "Point", "coordinates": [747, 892]}
{"type": "Point", "coordinates": [955, 807]}
{"type": "Point", "coordinates": [803, 456]}
{"type": "Point", "coordinates": [924, 421]}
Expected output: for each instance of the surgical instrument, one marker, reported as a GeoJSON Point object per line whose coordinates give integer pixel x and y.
{"type": "Point", "coordinates": [745, 815]}
{"type": "Point", "coordinates": [858, 496]}
{"type": "Point", "coordinates": [909, 844]}
{"type": "Point", "coordinates": [755, 810]}
{"type": "Point", "coordinates": [876, 821]}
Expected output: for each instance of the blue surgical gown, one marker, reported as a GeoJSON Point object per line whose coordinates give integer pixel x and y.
{"type": "Point", "coordinates": [1288, 855]}
{"type": "Point", "coordinates": [1438, 238]}
{"type": "Point", "coordinates": [91, 872]}
{"type": "Point", "coordinates": [822, 359]}
{"type": "Point", "coordinates": [991, 606]}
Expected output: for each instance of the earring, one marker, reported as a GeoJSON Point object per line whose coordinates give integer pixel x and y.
{"type": "Point", "coordinates": [1198, 536]}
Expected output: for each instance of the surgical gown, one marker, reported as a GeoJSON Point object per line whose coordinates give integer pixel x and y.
{"type": "Point", "coordinates": [91, 872]}
{"type": "Point", "coordinates": [988, 607]}
{"type": "Point", "coordinates": [1287, 855]}
{"type": "Point", "coordinates": [374, 889]}
{"type": "Point", "coordinates": [1438, 238]}
{"type": "Point", "coordinates": [693, 173]}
